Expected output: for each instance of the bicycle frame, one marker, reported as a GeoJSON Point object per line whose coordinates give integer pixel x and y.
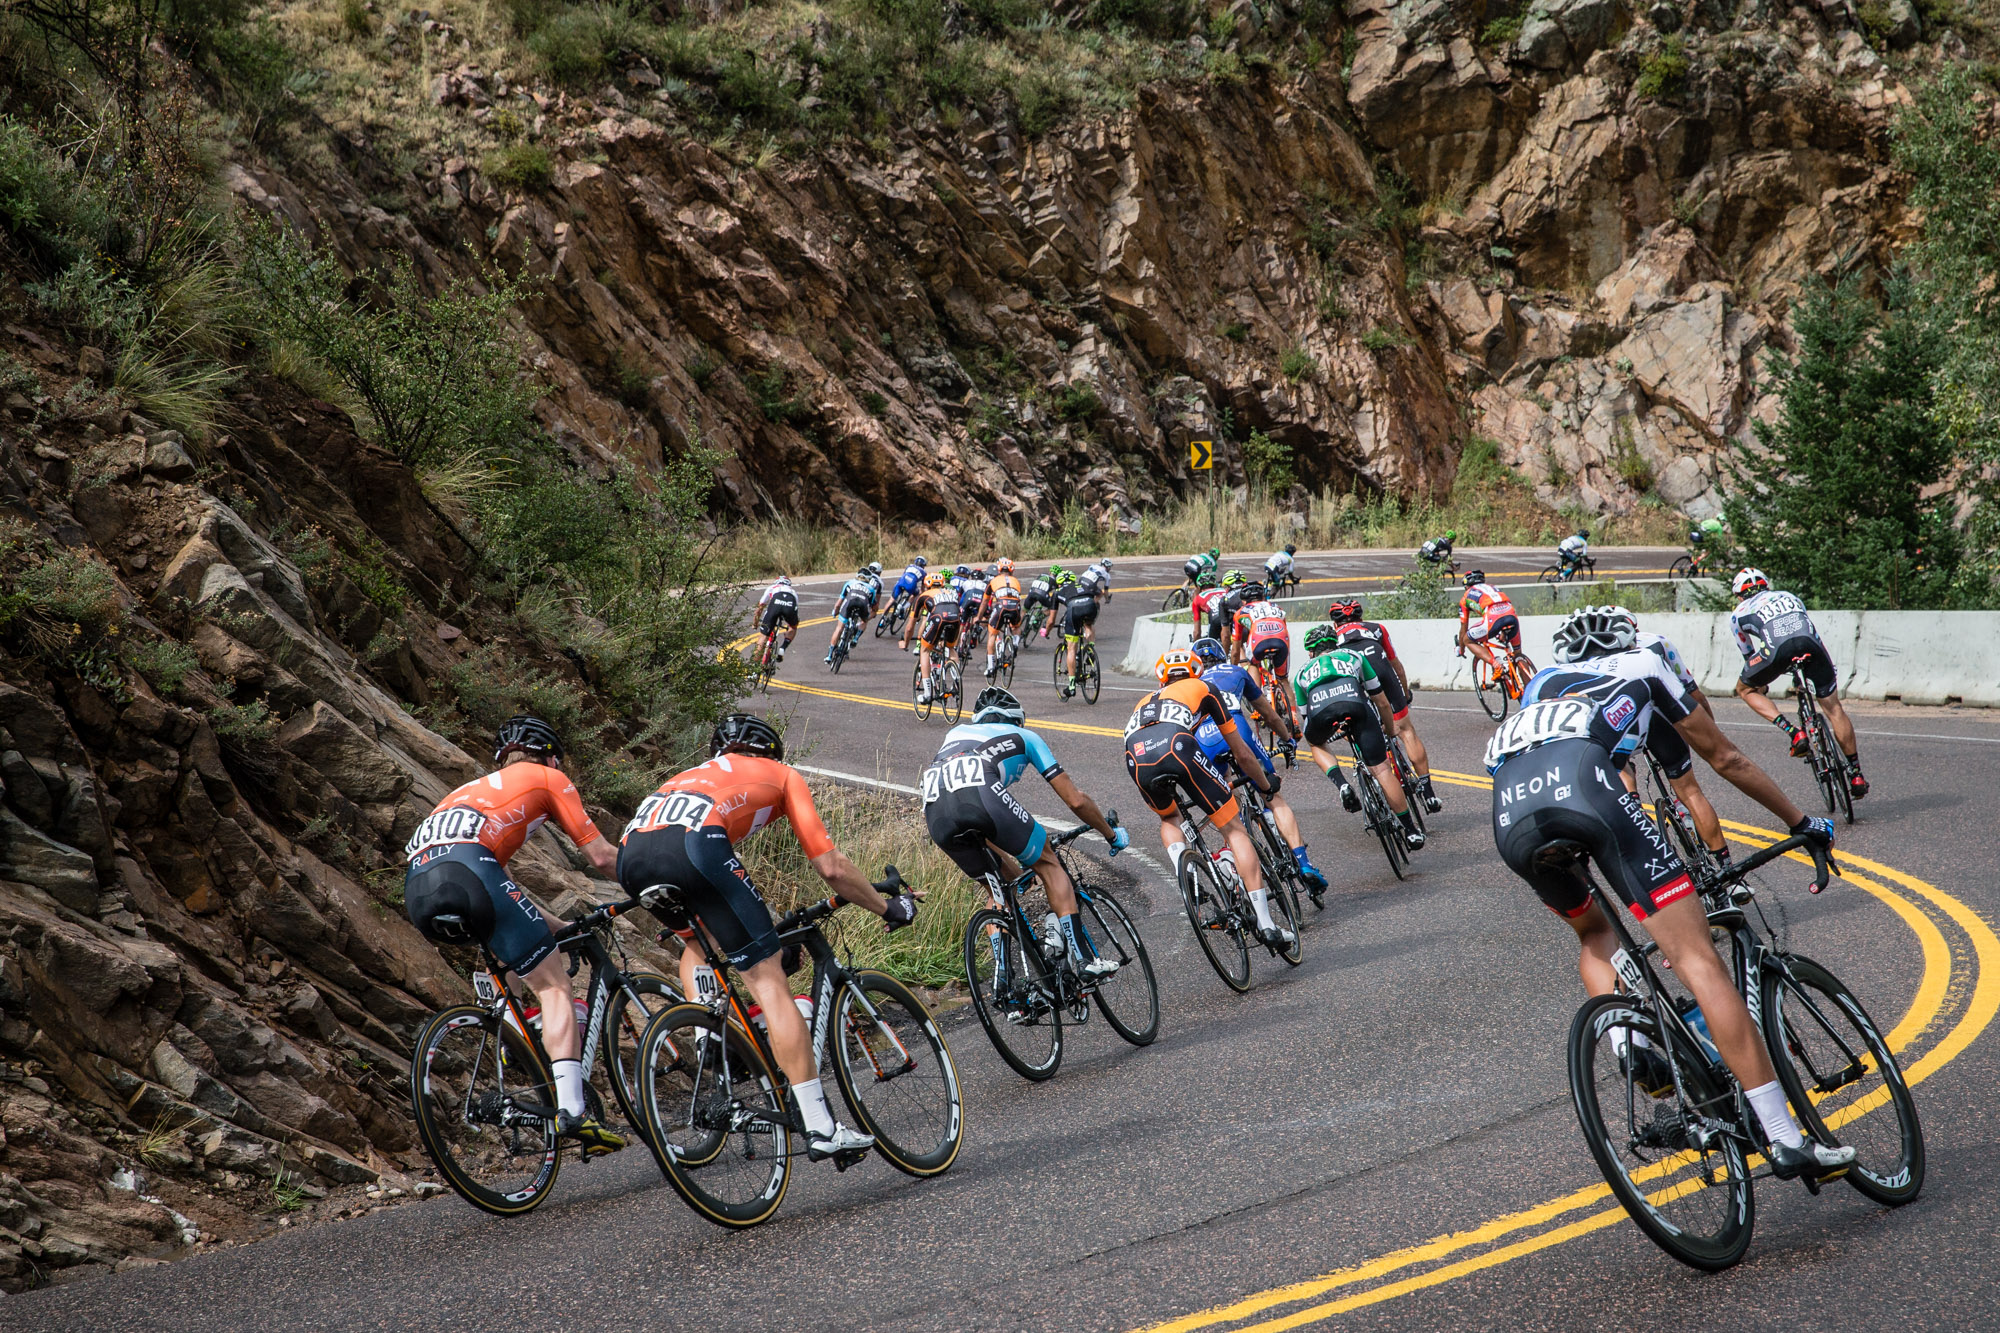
{"type": "Point", "coordinates": [1009, 901]}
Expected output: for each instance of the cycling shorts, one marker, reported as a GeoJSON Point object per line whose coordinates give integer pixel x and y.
{"type": "Point", "coordinates": [1082, 612]}
{"type": "Point", "coordinates": [962, 823]}
{"type": "Point", "coordinates": [1271, 653]}
{"type": "Point", "coordinates": [775, 615]}
{"type": "Point", "coordinates": [1392, 684]}
{"type": "Point", "coordinates": [1217, 749]}
{"type": "Point", "coordinates": [1505, 628]}
{"type": "Point", "coordinates": [1820, 672]}
{"type": "Point", "coordinates": [1006, 615]}
{"type": "Point", "coordinates": [905, 586]}
{"type": "Point", "coordinates": [1164, 757]}
{"type": "Point", "coordinates": [468, 881]}
{"type": "Point", "coordinates": [940, 633]}
{"type": "Point", "coordinates": [1193, 569]}
{"type": "Point", "coordinates": [1355, 717]}
{"type": "Point", "coordinates": [710, 884]}
{"type": "Point", "coordinates": [1668, 746]}
{"type": "Point", "coordinates": [855, 608]}
{"type": "Point", "coordinates": [1568, 791]}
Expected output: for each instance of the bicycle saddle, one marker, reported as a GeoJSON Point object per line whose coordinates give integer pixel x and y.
{"type": "Point", "coordinates": [452, 926]}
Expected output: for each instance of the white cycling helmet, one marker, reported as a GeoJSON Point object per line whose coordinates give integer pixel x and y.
{"type": "Point", "coordinates": [1748, 581]}
{"type": "Point", "coordinates": [785, 579]}
{"type": "Point", "coordinates": [874, 566]}
{"type": "Point", "coordinates": [1594, 631]}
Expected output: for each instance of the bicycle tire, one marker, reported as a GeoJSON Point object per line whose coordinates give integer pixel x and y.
{"type": "Point", "coordinates": [1281, 872]}
{"type": "Point", "coordinates": [1003, 676]}
{"type": "Point", "coordinates": [1284, 907]}
{"type": "Point", "coordinates": [1040, 1033]}
{"type": "Point", "coordinates": [918, 1130]}
{"type": "Point", "coordinates": [1406, 773]}
{"type": "Point", "coordinates": [953, 706]}
{"type": "Point", "coordinates": [1553, 574]}
{"type": "Point", "coordinates": [1214, 920]}
{"type": "Point", "coordinates": [621, 1037]}
{"type": "Point", "coordinates": [1108, 921]}
{"type": "Point", "coordinates": [1725, 1227]}
{"type": "Point", "coordinates": [1381, 819]}
{"type": "Point", "coordinates": [1177, 600]}
{"type": "Point", "coordinates": [1090, 682]}
{"type": "Point", "coordinates": [1836, 764]}
{"type": "Point", "coordinates": [699, 1106]}
{"type": "Point", "coordinates": [1487, 686]}
{"type": "Point", "coordinates": [453, 1121]}
{"type": "Point", "coordinates": [921, 707]}
{"type": "Point", "coordinates": [1683, 568]}
{"type": "Point", "coordinates": [1799, 1031]}
{"type": "Point", "coordinates": [1059, 674]}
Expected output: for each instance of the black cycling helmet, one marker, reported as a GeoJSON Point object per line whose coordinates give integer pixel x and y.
{"type": "Point", "coordinates": [997, 705]}
{"type": "Point", "coordinates": [1474, 577]}
{"type": "Point", "coordinates": [1210, 651]}
{"type": "Point", "coordinates": [746, 733]}
{"type": "Point", "coordinates": [1344, 613]}
{"type": "Point", "coordinates": [1321, 639]}
{"type": "Point", "coordinates": [529, 735]}
{"type": "Point", "coordinates": [1291, 549]}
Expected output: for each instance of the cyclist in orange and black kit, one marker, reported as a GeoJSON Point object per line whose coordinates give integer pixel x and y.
{"type": "Point", "coordinates": [1003, 595]}
{"type": "Point", "coordinates": [684, 837]}
{"type": "Point", "coordinates": [457, 891]}
{"type": "Point", "coordinates": [1163, 753]}
{"type": "Point", "coordinates": [938, 610]}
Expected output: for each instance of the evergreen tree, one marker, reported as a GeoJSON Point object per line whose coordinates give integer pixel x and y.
{"type": "Point", "coordinates": [1843, 501]}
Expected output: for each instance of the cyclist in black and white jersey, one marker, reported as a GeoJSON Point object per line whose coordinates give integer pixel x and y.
{"type": "Point", "coordinates": [858, 599]}
{"type": "Point", "coordinates": [1772, 630]}
{"type": "Point", "coordinates": [1557, 798]}
{"type": "Point", "coordinates": [779, 606]}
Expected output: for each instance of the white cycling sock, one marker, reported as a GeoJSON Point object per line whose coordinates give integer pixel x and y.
{"type": "Point", "coordinates": [812, 1107]}
{"type": "Point", "coordinates": [569, 1085]}
{"type": "Point", "coordinates": [1261, 900]}
{"type": "Point", "coordinates": [1776, 1117]}
{"type": "Point", "coordinates": [1174, 854]}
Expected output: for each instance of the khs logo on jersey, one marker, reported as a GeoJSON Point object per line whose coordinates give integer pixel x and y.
{"type": "Point", "coordinates": [1621, 711]}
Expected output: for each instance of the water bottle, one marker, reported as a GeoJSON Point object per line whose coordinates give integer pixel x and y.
{"type": "Point", "coordinates": [805, 1008]}
{"type": "Point", "coordinates": [1052, 939]}
{"type": "Point", "coordinates": [1691, 1012]}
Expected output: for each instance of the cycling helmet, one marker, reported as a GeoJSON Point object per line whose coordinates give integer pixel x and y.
{"type": "Point", "coordinates": [1321, 639]}
{"type": "Point", "coordinates": [1232, 578]}
{"type": "Point", "coordinates": [874, 566]}
{"type": "Point", "coordinates": [1205, 579]}
{"type": "Point", "coordinates": [1748, 581]}
{"type": "Point", "coordinates": [1006, 565]}
{"type": "Point", "coordinates": [528, 735]}
{"type": "Point", "coordinates": [935, 579]}
{"type": "Point", "coordinates": [1209, 652]}
{"type": "Point", "coordinates": [920, 562]}
{"type": "Point", "coordinates": [1474, 577]}
{"type": "Point", "coordinates": [1106, 565]}
{"type": "Point", "coordinates": [997, 705]}
{"type": "Point", "coordinates": [992, 572]}
{"type": "Point", "coordinates": [1451, 535]}
{"type": "Point", "coordinates": [1255, 591]}
{"type": "Point", "coordinates": [1344, 613]}
{"type": "Point", "coordinates": [1055, 573]}
{"type": "Point", "coordinates": [1594, 631]}
{"type": "Point", "coordinates": [746, 733]}
{"type": "Point", "coordinates": [1067, 578]}
{"type": "Point", "coordinates": [1583, 533]}
{"type": "Point", "coordinates": [863, 572]}
{"type": "Point", "coordinates": [1291, 549]}
{"type": "Point", "coordinates": [1176, 663]}
{"type": "Point", "coordinates": [963, 571]}
{"type": "Point", "coordinates": [1214, 553]}
{"type": "Point", "coordinates": [785, 579]}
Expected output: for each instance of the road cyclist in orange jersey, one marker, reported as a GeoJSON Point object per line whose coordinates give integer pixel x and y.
{"type": "Point", "coordinates": [1485, 615]}
{"type": "Point", "coordinates": [936, 622]}
{"type": "Point", "coordinates": [457, 891]}
{"type": "Point", "coordinates": [1005, 597]}
{"type": "Point", "coordinates": [1163, 753]}
{"type": "Point", "coordinates": [683, 839]}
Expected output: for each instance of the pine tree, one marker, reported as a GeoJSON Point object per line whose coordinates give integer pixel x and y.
{"type": "Point", "coordinates": [1843, 500]}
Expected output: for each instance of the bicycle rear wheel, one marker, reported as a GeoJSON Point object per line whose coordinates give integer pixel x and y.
{"type": "Point", "coordinates": [1382, 820]}
{"type": "Point", "coordinates": [1553, 574]}
{"type": "Point", "coordinates": [1842, 1079]}
{"type": "Point", "coordinates": [715, 1113]}
{"type": "Point", "coordinates": [897, 1074]}
{"type": "Point", "coordinates": [1003, 676]}
{"type": "Point", "coordinates": [1406, 772]}
{"type": "Point", "coordinates": [1058, 668]}
{"type": "Point", "coordinates": [953, 703]}
{"type": "Point", "coordinates": [1012, 999]}
{"type": "Point", "coordinates": [485, 1110]}
{"type": "Point", "coordinates": [1177, 599]}
{"type": "Point", "coordinates": [1211, 911]}
{"type": "Point", "coordinates": [632, 1007]}
{"type": "Point", "coordinates": [1681, 1178]}
{"type": "Point", "coordinates": [1836, 769]}
{"type": "Point", "coordinates": [1284, 906]}
{"type": "Point", "coordinates": [1088, 681]}
{"type": "Point", "coordinates": [1129, 999]}
{"type": "Point", "coordinates": [919, 705]}
{"type": "Point", "coordinates": [1682, 568]}
{"type": "Point", "coordinates": [1281, 872]}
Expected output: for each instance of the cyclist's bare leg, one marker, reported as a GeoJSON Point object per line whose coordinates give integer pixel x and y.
{"type": "Point", "coordinates": [1682, 931]}
{"type": "Point", "coordinates": [1480, 649]}
{"type": "Point", "coordinates": [550, 983]}
{"type": "Point", "coordinates": [1062, 894]}
{"type": "Point", "coordinates": [1288, 821]}
{"type": "Point", "coordinates": [1420, 758]}
{"type": "Point", "coordinates": [790, 1041]}
{"type": "Point", "coordinates": [1392, 784]}
{"type": "Point", "coordinates": [1247, 866]}
{"type": "Point", "coordinates": [1843, 725]}
{"type": "Point", "coordinates": [1759, 700]}
{"type": "Point", "coordinates": [1696, 800]}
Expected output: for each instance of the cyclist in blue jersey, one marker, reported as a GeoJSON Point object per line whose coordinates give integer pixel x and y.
{"type": "Point", "coordinates": [971, 814]}
{"type": "Point", "coordinates": [1240, 689]}
{"type": "Point", "coordinates": [911, 580]}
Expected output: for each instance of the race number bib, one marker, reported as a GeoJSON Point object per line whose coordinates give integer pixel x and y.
{"type": "Point", "coordinates": [1538, 724]}
{"type": "Point", "coordinates": [954, 774]}
{"type": "Point", "coordinates": [671, 809]}
{"type": "Point", "coordinates": [461, 823]}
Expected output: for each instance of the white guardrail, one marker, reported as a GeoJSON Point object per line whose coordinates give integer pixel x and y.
{"type": "Point", "coordinates": [1928, 657]}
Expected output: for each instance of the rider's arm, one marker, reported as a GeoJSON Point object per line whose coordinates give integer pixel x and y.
{"type": "Point", "coordinates": [841, 874]}
{"type": "Point", "coordinates": [1735, 767]}
{"type": "Point", "coordinates": [1080, 803]}
{"type": "Point", "coordinates": [1247, 763]}
{"type": "Point", "coordinates": [566, 808]}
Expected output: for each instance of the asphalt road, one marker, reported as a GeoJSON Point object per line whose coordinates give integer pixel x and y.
{"type": "Point", "coordinates": [1379, 1138]}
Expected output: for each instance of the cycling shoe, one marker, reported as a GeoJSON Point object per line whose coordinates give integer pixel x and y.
{"type": "Point", "coordinates": [1812, 1159]}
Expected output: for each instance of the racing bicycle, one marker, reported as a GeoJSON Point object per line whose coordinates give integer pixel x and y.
{"type": "Point", "coordinates": [1567, 571]}
{"type": "Point", "coordinates": [481, 1090]}
{"type": "Point", "coordinates": [1823, 753]}
{"type": "Point", "coordinates": [721, 1111]}
{"type": "Point", "coordinates": [1023, 985]}
{"type": "Point", "coordinates": [1681, 1156]}
{"type": "Point", "coordinates": [1178, 599]}
{"type": "Point", "coordinates": [1087, 679]}
{"type": "Point", "coordinates": [1274, 854]}
{"type": "Point", "coordinates": [1500, 686]}
{"type": "Point", "coordinates": [1003, 660]}
{"type": "Point", "coordinates": [1692, 565]}
{"type": "Point", "coordinates": [1375, 812]}
{"type": "Point", "coordinates": [947, 687]}
{"type": "Point", "coordinates": [767, 662]}
{"type": "Point", "coordinates": [850, 636]}
{"type": "Point", "coordinates": [890, 622]}
{"type": "Point", "coordinates": [1217, 905]}
{"type": "Point", "coordinates": [1677, 827]}
{"type": "Point", "coordinates": [1407, 772]}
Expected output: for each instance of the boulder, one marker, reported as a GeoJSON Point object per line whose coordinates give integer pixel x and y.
{"type": "Point", "coordinates": [29, 856]}
{"type": "Point", "coordinates": [231, 1149]}
{"type": "Point", "coordinates": [1557, 34]}
{"type": "Point", "coordinates": [352, 762]}
{"type": "Point", "coordinates": [167, 456]}
{"type": "Point", "coordinates": [1698, 355]}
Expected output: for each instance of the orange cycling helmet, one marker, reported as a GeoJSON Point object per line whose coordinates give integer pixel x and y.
{"type": "Point", "coordinates": [1176, 663]}
{"type": "Point", "coordinates": [1006, 565]}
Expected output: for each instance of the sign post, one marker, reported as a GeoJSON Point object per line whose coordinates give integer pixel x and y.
{"type": "Point", "coordinates": [1201, 458]}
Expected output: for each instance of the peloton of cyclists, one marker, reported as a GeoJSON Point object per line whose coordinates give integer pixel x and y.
{"type": "Point", "coordinates": [858, 599]}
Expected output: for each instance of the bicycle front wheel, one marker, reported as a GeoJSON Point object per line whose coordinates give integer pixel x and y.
{"type": "Point", "coordinates": [1010, 993]}
{"type": "Point", "coordinates": [1211, 910]}
{"type": "Point", "coordinates": [721, 1133]}
{"type": "Point", "coordinates": [1086, 672]}
{"type": "Point", "coordinates": [1683, 568]}
{"type": "Point", "coordinates": [953, 703]}
{"type": "Point", "coordinates": [1177, 599]}
{"type": "Point", "coordinates": [485, 1110]}
{"type": "Point", "coordinates": [1553, 574]}
{"type": "Point", "coordinates": [1406, 773]}
{"type": "Point", "coordinates": [1388, 829]}
{"type": "Point", "coordinates": [918, 704]}
{"type": "Point", "coordinates": [1129, 998]}
{"type": "Point", "coordinates": [1842, 1080]}
{"type": "Point", "coordinates": [1681, 1176]}
{"type": "Point", "coordinates": [897, 1074]}
{"type": "Point", "coordinates": [1492, 695]}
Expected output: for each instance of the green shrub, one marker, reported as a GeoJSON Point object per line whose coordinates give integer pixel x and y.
{"type": "Point", "coordinates": [773, 391]}
{"type": "Point", "coordinates": [1664, 72]}
{"type": "Point", "coordinates": [1269, 461]}
{"type": "Point", "coordinates": [1501, 31]}
{"type": "Point", "coordinates": [1384, 339]}
{"type": "Point", "coordinates": [1078, 402]}
{"type": "Point", "coordinates": [578, 45]}
{"type": "Point", "coordinates": [635, 385]}
{"type": "Point", "coordinates": [1041, 101]}
{"type": "Point", "coordinates": [65, 605]}
{"type": "Point", "coordinates": [875, 403]}
{"type": "Point", "coordinates": [1297, 364]}
{"type": "Point", "coordinates": [1236, 330]}
{"type": "Point", "coordinates": [519, 166]}
{"type": "Point", "coordinates": [355, 18]}
{"type": "Point", "coordinates": [242, 724]}
{"type": "Point", "coordinates": [701, 367]}
{"type": "Point", "coordinates": [164, 663]}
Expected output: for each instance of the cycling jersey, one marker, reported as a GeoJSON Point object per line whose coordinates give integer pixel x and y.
{"type": "Point", "coordinates": [1277, 567]}
{"type": "Point", "coordinates": [1487, 610]}
{"type": "Point", "coordinates": [1005, 593]}
{"type": "Point", "coordinates": [1573, 548]}
{"type": "Point", "coordinates": [857, 597]}
{"type": "Point", "coordinates": [1332, 693]}
{"type": "Point", "coordinates": [1772, 628]}
{"type": "Point", "coordinates": [1609, 701]}
{"type": "Point", "coordinates": [1371, 639]}
{"type": "Point", "coordinates": [500, 811]}
{"type": "Point", "coordinates": [1206, 608]}
{"type": "Point", "coordinates": [911, 580]}
{"type": "Point", "coordinates": [739, 794]}
{"type": "Point", "coordinates": [1080, 608]}
{"type": "Point", "coordinates": [1041, 592]}
{"type": "Point", "coordinates": [779, 604]}
{"type": "Point", "coordinates": [1662, 647]}
{"type": "Point", "coordinates": [1262, 625]}
{"type": "Point", "coordinates": [1437, 549]}
{"type": "Point", "coordinates": [942, 621]}
{"type": "Point", "coordinates": [1163, 749]}
{"type": "Point", "coordinates": [1240, 693]}
{"type": "Point", "coordinates": [1196, 566]}
{"type": "Point", "coordinates": [966, 801]}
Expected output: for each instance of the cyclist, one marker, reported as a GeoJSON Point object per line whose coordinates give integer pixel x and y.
{"type": "Point", "coordinates": [1239, 688]}
{"type": "Point", "coordinates": [1371, 639]}
{"type": "Point", "coordinates": [1099, 572]}
{"type": "Point", "coordinates": [1197, 565]}
{"type": "Point", "coordinates": [937, 607]}
{"type": "Point", "coordinates": [1004, 592]}
{"type": "Point", "coordinates": [779, 606]}
{"type": "Point", "coordinates": [1238, 592]}
{"type": "Point", "coordinates": [685, 835]}
{"type": "Point", "coordinates": [1772, 628]}
{"type": "Point", "coordinates": [1163, 751]}
{"type": "Point", "coordinates": [856, 601]}
{"type": "Point", "coordinates": [1079, 598]}
{"type": "Point", "coordinates": [1279, 567]}
{"type": "Point", "coordinates": [1708, 530]}
{"type": "Point", "coordinates": [1572, 551]}
{"type": "Point", "coordinates": [1267, 647]}
{"type": "Point", "coordinates": [1437, 551]}
{"type": "Point", "coordinates": [1666, 745]}
{"type": "Point", "coordinates": [458, 868]}
{"type": "Point", "coordinates": [1042, 593]}
{"type": "Point", "coordinates": [970, 815]}
{"type": "Point", "coordinates": [1485, 614]}
{"type": "Point", "coordinates": [1206, 608]}
{"type": "Point", "coordinates": [911, 579]}
{"type": "Point", "coordinates": [1338, 691]}
{"type": "Point", "coordinates": [1555, 797]}
{"type": "Point", "coordinates": [972, 600]}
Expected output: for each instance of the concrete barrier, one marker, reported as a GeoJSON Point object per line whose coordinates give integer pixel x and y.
{"type": "Point", "coordinates": [1928, 657]}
